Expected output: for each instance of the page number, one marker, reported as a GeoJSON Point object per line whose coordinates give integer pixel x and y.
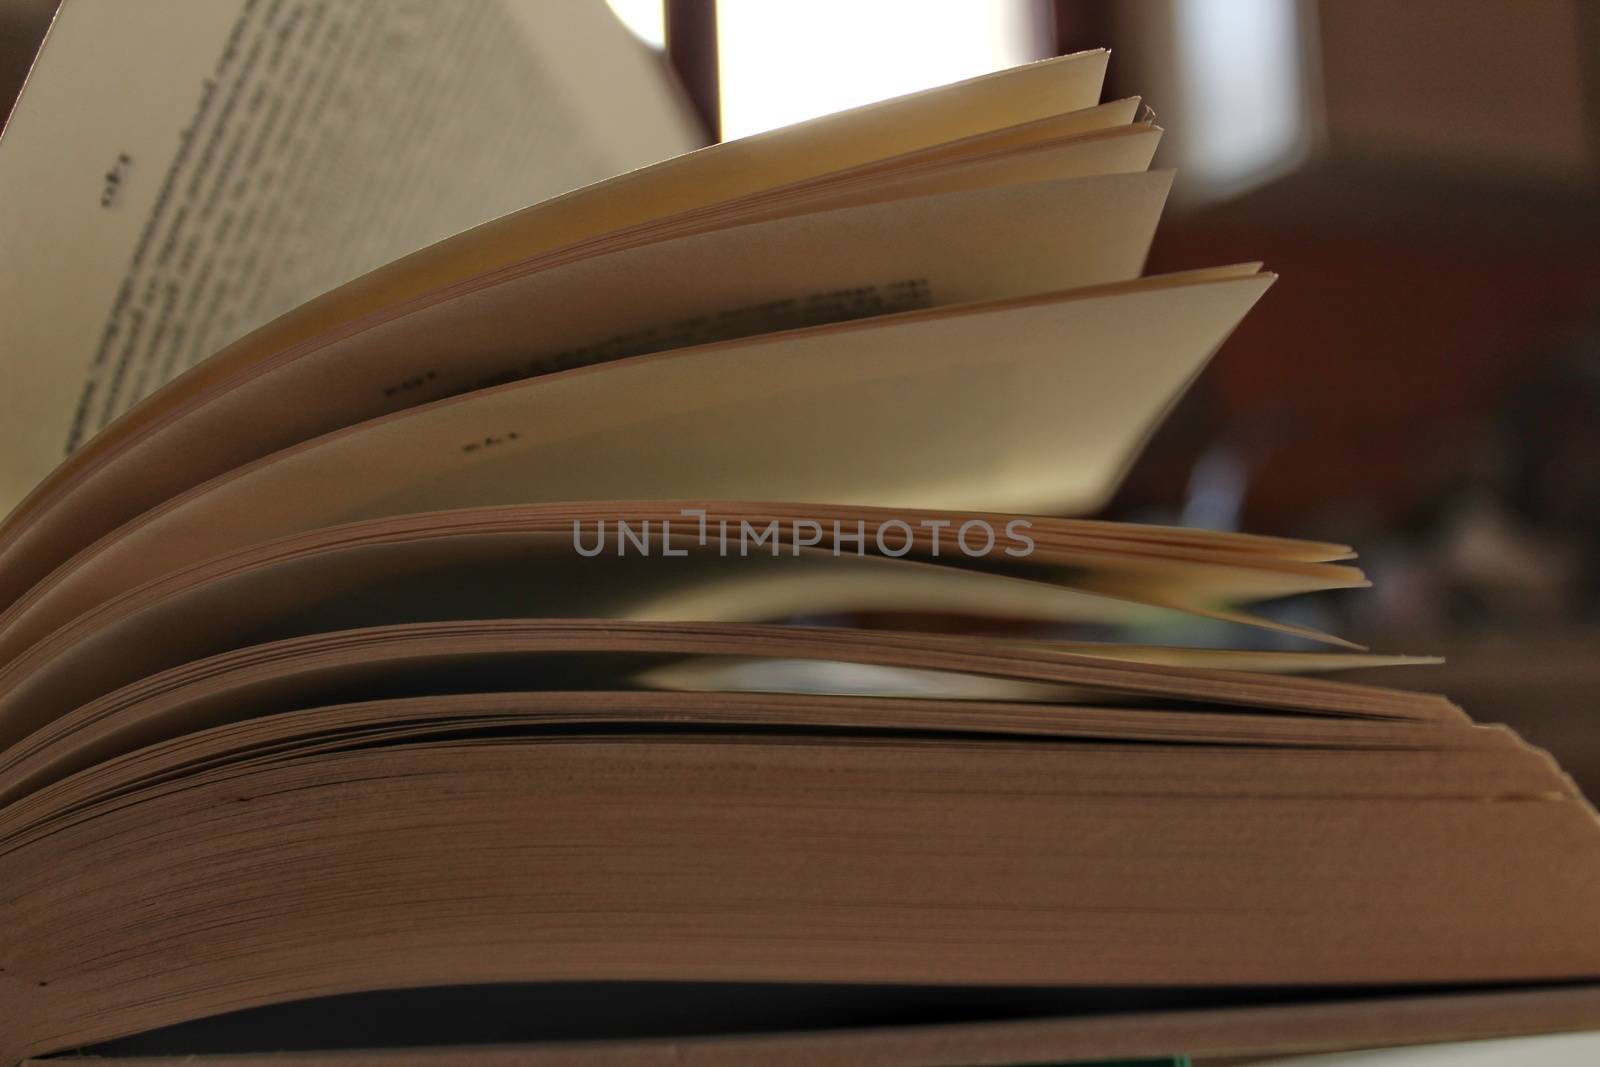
{"type": "Point", "coordinates": [114, 179]}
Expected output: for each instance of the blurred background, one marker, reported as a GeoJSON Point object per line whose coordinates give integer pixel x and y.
{"type": "Point", "coordinates": [1422, 383]}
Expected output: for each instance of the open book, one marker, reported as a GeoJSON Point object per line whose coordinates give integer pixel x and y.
{"type": "Point", "coordinates": [504, 620]}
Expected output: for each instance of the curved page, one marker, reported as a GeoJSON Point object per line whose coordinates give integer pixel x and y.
{"type": "Point", "coordinates": [719, 173]}
{"type": "Point", "coordinates": [393, 576]}
{"type": "Point", "coordinates": [981, 244]}
{"type": "Point", "coordinates": [1033, 405]}
{"type": "Point", "coordinates": [176, 174]}
{"type": "Point", "coordinates": [263, 703]}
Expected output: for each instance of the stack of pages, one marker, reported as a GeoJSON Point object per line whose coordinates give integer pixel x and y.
{"type": "Point", "coordinates": [648, 587]}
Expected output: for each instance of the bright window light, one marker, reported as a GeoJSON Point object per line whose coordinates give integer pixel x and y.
{"type": "Point", "coordinates": [646, 18]}
{"type": "Point", "coordinates": [785, 62]}
{"type": "Point", "coordinates": [1242, 88]}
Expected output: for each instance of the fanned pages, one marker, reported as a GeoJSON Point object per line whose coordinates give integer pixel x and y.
{"type": "Point", "coordinates": [668, 594]}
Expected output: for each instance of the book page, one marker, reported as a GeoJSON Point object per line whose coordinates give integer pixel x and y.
{"type": "Point", "coordinates": [130, 467]}
{"type": "Point", "coordinates": [979, 407]}
{"type": "Point", "coordinates": [932, 119]}
{"type": "Point", "coordinates": [782, 274]}
{"type": "Point", "coordinates": [177, 173]}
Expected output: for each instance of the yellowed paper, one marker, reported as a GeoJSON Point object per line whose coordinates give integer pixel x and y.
{"type": "Point", "coordinates": [883, 257]}
{"type": "Point", "coordinates": [177, 173]}
{"type": "Point", "coordinates": [1032, 405]}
